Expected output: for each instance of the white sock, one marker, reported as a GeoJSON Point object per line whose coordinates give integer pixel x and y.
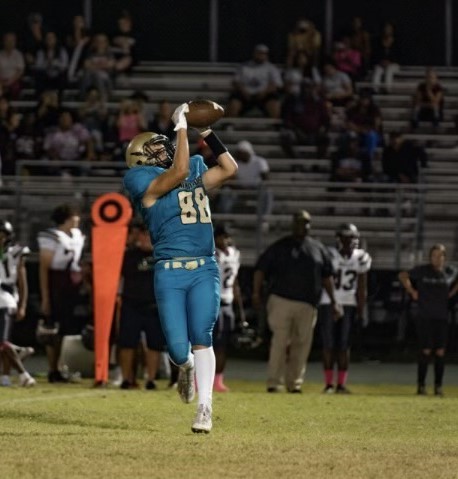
{"type": "Point", "coordinates": [205, 374]}
{"type": "Point", "coordinates": [24, 375]}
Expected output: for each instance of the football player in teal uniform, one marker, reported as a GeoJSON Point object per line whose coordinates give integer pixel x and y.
{"type": "Point", "coordinates": [169, 189]}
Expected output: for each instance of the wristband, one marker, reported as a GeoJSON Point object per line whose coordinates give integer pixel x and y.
{"type": "Point", "coordinates": [215, 145]}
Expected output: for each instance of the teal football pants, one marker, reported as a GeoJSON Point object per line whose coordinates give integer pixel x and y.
{"type": "Point", "coordinates": [188, 303]}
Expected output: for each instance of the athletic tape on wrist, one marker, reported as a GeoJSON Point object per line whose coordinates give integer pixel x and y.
{"type": "Point", "coordinates": [215, 145]}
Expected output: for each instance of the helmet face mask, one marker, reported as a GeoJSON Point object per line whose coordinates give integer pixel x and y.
{"type": "Point", "coordinates": [150, 149]}
{"type": "Point", "coordinates": [6, 233]}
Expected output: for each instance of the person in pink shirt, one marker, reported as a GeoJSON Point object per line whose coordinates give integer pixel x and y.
{"type": "Point", "coordinates": [70, 142]}
{"type": "Point", "coordinates": [130, 122]}
{"type": "Point", "coordinates": [347, 59]}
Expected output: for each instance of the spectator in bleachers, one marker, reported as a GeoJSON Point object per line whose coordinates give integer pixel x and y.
{"type": "Point", "coordinates": [50, 68]}
{"type": "Point", "coordinates": [162, 122]}
{"type": "Point", "coordinates": [385, 59]}
{"type": "Point", "coordinates": [7, 135]}
{"type": "Point", "coordinates": [144, 107]}
{"type": "Point", "coordinates": [27, 143]}
{"type": "Point", "coordinates": [33, 37]}
{"type": "Point", "coordinates": [252, 171]}
{"type": "Point", "coordinates": [360, 40]}
{"type": "Point", "coordinates": [5, 110]}
{"type": "Point", "coordinates": [99, 67]}
{"type": "Point", "coordinates": [337, 86]}
{"type": "Point", "coordinates": [124, 42]}
{"type": "Point", "coordinates": [301, 73]}
{"type": "Point", "coordinates": [12, 66]}
{"type": "Point", "coordinates": [71, 142]}
{"type": "Point", "coordinates": [77, 43]}
{"type": "Point", "coordinates": [349, 163]}
{"type": "Point", "coordinates": [257, 83]}
{"type": "Point", "coordinates": [428, 101]}
{"type": "Point", "coordinates": [78, 33]}
{"type": "Point", "coordinates": [304, 38]}
{"type": "Point", "coordinates": [47, 112]}
{"type": "Point", "coordinates": [401, 159]}
{"type": "Point", "coordinates": [365, 119]}
{"type": "Point", "coordinates": [347, 59]}
{"type": "Point", "coordinates": [130, 121]}
{"type": "Point", "coordinates": [94, 116]}
{"type": "Point", "coordinates": [306, 121]}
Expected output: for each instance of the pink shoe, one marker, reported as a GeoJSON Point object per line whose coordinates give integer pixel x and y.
{"type": "Point", "coordinates": [220, 388]}
{"type": "Point", "coordinates": [218, 384]}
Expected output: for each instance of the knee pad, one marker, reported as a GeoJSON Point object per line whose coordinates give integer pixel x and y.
{"type": "Point", "coordinates": [179, 353]}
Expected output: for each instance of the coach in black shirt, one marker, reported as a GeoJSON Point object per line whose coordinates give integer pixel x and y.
{"type": "Point", "coordinates": [431, 285]}
{"type": "Point", "coordinates": [296, 268]}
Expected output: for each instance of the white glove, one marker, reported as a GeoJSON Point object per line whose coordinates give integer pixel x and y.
{"type": "Point", "coordinates": [179, 117]}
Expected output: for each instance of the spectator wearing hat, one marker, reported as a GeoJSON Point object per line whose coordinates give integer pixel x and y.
{"type": "Point", "coordinates": [257, 84]}
{"type": "Point", "coordinates": [297, 267]}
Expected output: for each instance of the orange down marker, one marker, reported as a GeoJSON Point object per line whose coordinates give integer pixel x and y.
{"type": "Point", "coordinates": [110, 214]}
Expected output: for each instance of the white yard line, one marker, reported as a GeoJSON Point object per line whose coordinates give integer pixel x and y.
{"type": "Point", "coordinates": [54, 397]}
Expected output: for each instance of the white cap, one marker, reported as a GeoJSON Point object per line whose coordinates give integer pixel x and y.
{"type": "Point", "coordinates": [245, 146]}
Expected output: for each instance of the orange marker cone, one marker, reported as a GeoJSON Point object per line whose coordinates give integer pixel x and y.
{"type": "Point", "coordinates": [110, 214]}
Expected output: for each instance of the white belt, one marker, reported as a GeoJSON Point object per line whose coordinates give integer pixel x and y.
{"type": "Point", "coordinates": [193, 264]}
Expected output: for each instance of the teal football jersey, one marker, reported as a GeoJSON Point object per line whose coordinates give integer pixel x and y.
{"type": "Point", "coordinates": [179, 222]}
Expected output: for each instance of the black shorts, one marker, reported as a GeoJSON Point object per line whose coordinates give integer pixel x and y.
{"type": "Point", "coordinates": [134, 320]}
{"type": "Point", "coordinates": [224, 326]}
{"type": "Point", "coordinates": [63, 296]}
{"type": "Point", "coordinates": [6, 321]}
{"type": "Point", "coordinates": [335, 335]}
{"type": "Point", "coordinates": [253, 102]}
{"type": "Point", "coordinates": [431, 333]}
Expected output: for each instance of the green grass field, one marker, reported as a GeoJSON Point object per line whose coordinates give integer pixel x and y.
{"type": "Point", "coordinates": [73, 431]}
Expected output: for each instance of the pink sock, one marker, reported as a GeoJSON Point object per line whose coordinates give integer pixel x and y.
{"type": "Point", "coordinates": [218, 379]}
{"type": "Point", "coordinates": [342, 378]}
{"type": "Point", "coordinates": [328, 376]}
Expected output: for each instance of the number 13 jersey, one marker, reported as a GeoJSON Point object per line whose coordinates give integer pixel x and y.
{"type": "Point", "coordinates": [346, 271]}
{"type": "Point", "coordinates": [179, 222]}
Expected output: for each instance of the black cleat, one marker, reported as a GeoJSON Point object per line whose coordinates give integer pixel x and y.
{"type": "Point", "coordinates": [421, 391]}
{"type": "Point", "coordinates": [150, 385]}
{"type": "Point", "coordinates": [341, 389]}
{"type": "Point", "coordinates": [438, 391]}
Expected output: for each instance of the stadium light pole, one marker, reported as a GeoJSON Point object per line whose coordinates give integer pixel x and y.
{"type": "Point", "coordinates": [328, 24]}
{"type": "Point", "coordinates": [87, 12]}
{"type": "Point", "coordinates": [448, 32]}
{"type": "Point", "coordinates": [213, 30]}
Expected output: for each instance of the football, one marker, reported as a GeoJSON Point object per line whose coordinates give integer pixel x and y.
{"type": "Point", "coordinates": [203, 113]}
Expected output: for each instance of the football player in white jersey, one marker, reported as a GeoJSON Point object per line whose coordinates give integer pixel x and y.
{"type": "Point", "coordinates": [228, 259]}
{"type": "Point", "coordinates": [60, 274]}
{"type": "Point", "coordinates": [351, 265]}
{"type": "Point", "coordinates": [13, 303]}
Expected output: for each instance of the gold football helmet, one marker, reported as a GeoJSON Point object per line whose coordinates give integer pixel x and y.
{"type": "Point", "coordinates": [140, 151]}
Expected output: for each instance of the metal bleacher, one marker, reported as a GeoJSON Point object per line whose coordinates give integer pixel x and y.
{"type": "Point", "coordinates": [398, 222]}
